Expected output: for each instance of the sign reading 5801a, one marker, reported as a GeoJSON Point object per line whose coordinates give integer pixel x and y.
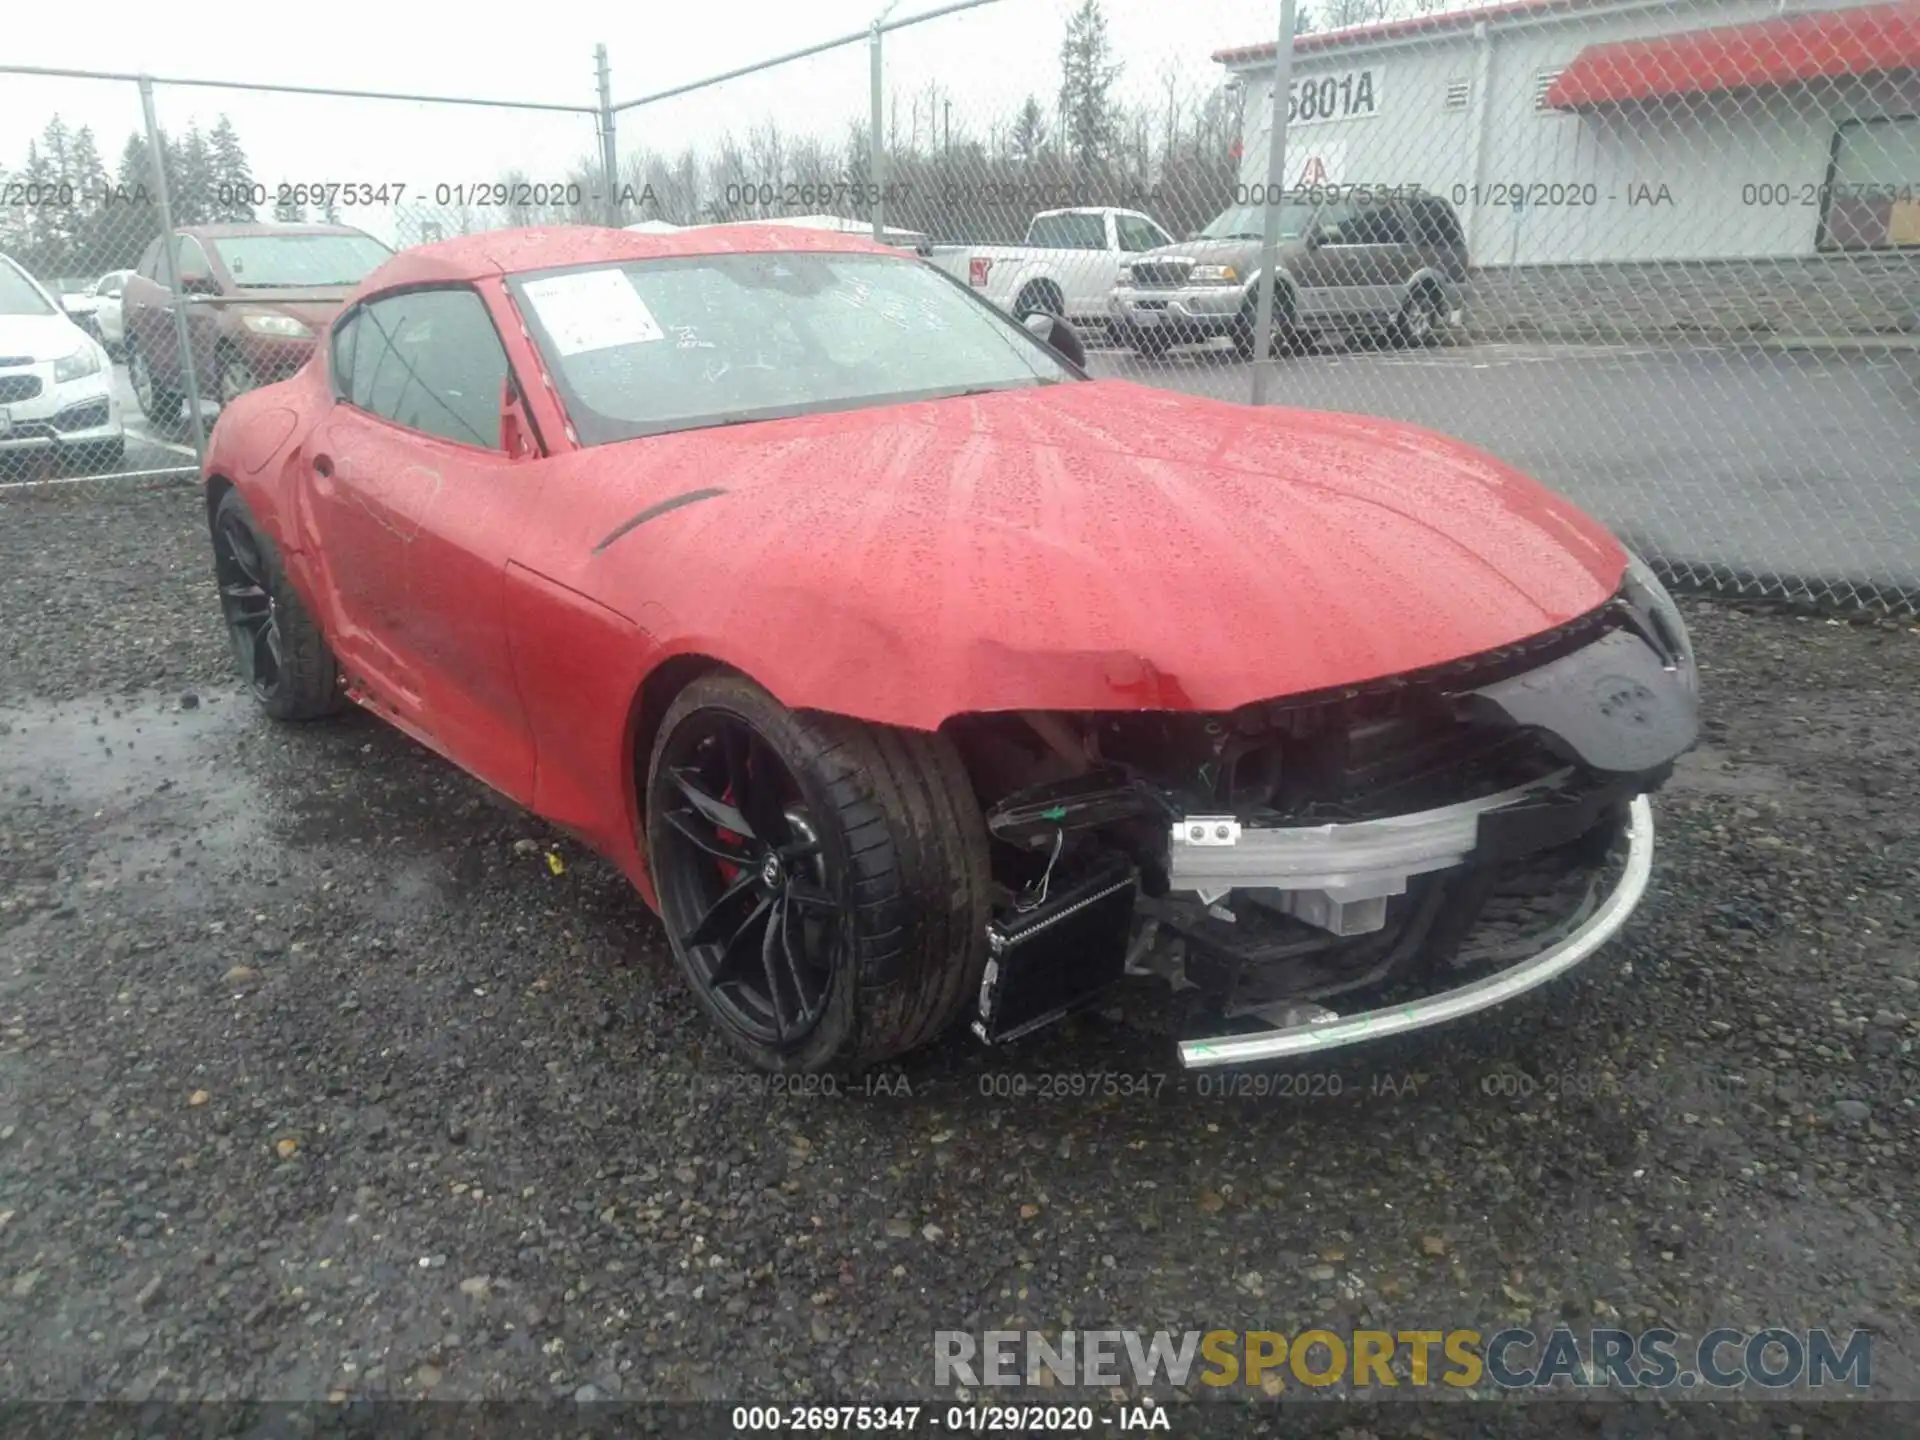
{"type": "Point", "coordinates": [1343, 95]}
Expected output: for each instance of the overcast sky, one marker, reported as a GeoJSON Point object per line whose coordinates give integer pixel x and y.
{"type": "Point", "coordinates": [985, 61]}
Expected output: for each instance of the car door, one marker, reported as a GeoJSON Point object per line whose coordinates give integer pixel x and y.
{"type": "Point", "coordinates": [1088, 262]}
{"type": "Point", "coordinates": [1383, 257]}
{"type": "Point", "coordinates": [415, 506]}
{"type": "Point", "coordinates": [142, 299]}
{"type": "Point", "coordinates": [198, 292]}
{"type": "Point", "coordinates": [1347, 266]}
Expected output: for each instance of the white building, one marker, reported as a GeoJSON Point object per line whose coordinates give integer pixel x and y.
{"type": "Point", "coordinates": [1608, 131]}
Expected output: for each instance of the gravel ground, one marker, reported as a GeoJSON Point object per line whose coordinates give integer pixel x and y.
{"type": "Point", "coordinates": [317, 1079]}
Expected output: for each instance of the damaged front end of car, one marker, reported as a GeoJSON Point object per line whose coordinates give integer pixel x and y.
{"type": "Point", "coordinates": [1316, 871]}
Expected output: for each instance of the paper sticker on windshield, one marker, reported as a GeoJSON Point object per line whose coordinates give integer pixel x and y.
{"type": "Point", "coordinates": [592, 310]}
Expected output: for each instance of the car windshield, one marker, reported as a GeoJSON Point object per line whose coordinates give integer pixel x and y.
{"type": "Point", "coordinates": [661, 345]}
{"type": "Point", "coordinates": [291, 262]}
{"type": "Point", "coordinates": [18, 295]}
{"type": "Point", "coordinates": [1247, 222]}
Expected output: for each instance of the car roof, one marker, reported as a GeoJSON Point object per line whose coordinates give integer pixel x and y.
{"type": "Point", "coordinates": [512, 252]}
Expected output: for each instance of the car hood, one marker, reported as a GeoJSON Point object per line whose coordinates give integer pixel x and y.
{"type": "Point", "coordinates": [44, 337]}
{"type": "Point", "coordinates": [1084, 546]}
{"type": "Point", "coordinates": [1215, 252]}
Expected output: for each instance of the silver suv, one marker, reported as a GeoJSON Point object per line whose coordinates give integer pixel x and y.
{"type": "Point", "coordinates": [1382, 262]}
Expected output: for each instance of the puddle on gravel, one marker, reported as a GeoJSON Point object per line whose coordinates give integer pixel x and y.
{"type": "Point", "coordinates": [160, 785]}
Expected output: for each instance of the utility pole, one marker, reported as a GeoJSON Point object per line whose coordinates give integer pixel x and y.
{"type": "Point", "coordinates": [609, 151]}
{"type": "Point", "coordinates": [1276, 187]}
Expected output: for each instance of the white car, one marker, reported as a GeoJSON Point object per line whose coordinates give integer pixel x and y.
{"type": "Point", "coordinates": [1067, 266]}
{"type": "Point", "coordinates": [56, 382]}
{"type": "Point", "coordinates": [103, 310]}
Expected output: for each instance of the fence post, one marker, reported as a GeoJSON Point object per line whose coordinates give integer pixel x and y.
{"type": "Point", "coordinates": [877, 144]}
{"type": "Point", "coordinates": [179, 301]}
{"type": "Point", "coordinates": [609, 150]}
{"type": "Point", "coordinates": [1276, 186]}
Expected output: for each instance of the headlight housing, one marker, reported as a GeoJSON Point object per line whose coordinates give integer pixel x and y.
{"type": "Point", "coordinates": [81, 363]}
{"type": "Point", "coordinates": [1214, 275]}
{"type": "Point", "coordinates": [283, 326]}
{"type": "Point", "coordinates": [1660, 620]}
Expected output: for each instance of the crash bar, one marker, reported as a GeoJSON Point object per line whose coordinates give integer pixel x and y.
{"type": "Point", "coordinates": [1334, 1032]}
{"type": "Point", "coordinates": [854, 39]}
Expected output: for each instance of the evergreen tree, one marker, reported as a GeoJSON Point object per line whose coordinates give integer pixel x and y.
{"type": "Point", "coordinates": [190, 179]}
{"type": "Point", "coordinates": [1087, 73]}
{"type": "Point", "coordinates": [1029, 136]}
{"type": "Point", "coordinates": [233, 181]}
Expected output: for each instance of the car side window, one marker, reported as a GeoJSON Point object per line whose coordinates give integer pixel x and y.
{"type": "Point", "coordinates": [1137, 234]}
{"type": "Point", "coordinates": [1335, 223]}
{"type": "Point", "coordinates": [1434, 224]}
{"type": "Point", "coordinates": [1069, 232]}
{"type": "Point", "coordinates": [149, 267]}
{"type": "Point", "coordinates": [340, 354]}
{"type": "Point", "coordinates": [430, 360]}
{"type": "Point", "coordinates": [190, 257]}
{"type": "Point", "coordinates": [1376, 224]}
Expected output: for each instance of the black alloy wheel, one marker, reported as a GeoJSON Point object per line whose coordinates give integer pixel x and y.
{"type": "Point", "coordinates": [247, 603]}
{"type": "Point", "coordinates": [745, 884]}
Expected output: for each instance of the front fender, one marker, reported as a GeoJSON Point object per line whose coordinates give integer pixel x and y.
{"type": "Point", "coordinates": [1285, 290]}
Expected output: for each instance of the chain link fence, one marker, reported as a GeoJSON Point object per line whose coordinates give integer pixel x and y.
{"type": "Point", "coordinates": [280, 201]}
{"type": "Point", "coordinates": [1663, 255]}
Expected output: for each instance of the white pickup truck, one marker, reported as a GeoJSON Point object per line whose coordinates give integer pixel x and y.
{"type": "Point", "coordinates": [1067, 267]}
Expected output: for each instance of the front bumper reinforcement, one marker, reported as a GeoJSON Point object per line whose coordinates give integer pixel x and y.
{"type": "Point", "coordinates": [1333, 1031]}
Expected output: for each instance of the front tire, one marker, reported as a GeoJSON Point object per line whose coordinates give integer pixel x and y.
{"type": "Point", "coordinates": [281, 653]}
{"type": "Point", "coordinates": [1286, 337]}
{"type": "Point", "coordinates": [236, 377]}
{"type": "Point", "coordinates": [159, 402]}
{"type": "Point", "coordinates": [823, 882]}
{"type": "Point", "coordinates": [1419, 321]}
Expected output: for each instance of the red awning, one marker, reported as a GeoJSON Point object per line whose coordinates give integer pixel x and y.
{"type": "Point", "coordinates": [1785, 50]}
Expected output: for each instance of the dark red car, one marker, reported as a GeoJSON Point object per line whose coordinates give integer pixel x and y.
{"type": "Point", "coordinates": [913, 676]}
{"type": "Point", "coordinates": [254, 296]}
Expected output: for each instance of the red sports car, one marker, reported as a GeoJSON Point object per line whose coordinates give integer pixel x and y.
{"type": "Point", "coordinates": [914, 677]}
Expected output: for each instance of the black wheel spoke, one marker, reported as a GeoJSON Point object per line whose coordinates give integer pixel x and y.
{"type": "Point", "coordinates": [712, 925]}
{"type": "Point", "coordinates": [809, 987]}
{"type": "Point", "coordinates": [809, 896]}
{"type": "Point", "coordinates": [744, 880]}
{"type": "Point", "coordinates": [711, 806]}
{"type": "Point", "coordinates": [245, 555]}
{"type": "Point", "coordinates": [770, 946]}
{"type": "Point", "coordinates": [740, 959]}
{"type": "Point", "coordinates": [713, 846]}
{"type": "Point", "coordinates": [757, 796]}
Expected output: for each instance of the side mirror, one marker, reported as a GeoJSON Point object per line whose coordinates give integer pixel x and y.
{"type": "Point", "coordinates": [1059, 336]}
{"type": "Point", "coordinates": [516, 435]}
{"type": "Point", "coordinates": [1315, 239]}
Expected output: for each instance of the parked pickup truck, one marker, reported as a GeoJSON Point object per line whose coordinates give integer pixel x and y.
{"type": "Point", "coordinates": [1067, 266]}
